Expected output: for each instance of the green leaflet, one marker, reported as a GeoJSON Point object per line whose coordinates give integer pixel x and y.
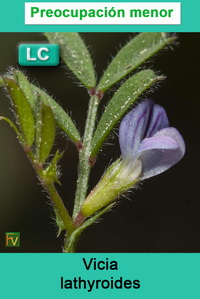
{"type": "Point", "coordinates": [50, 174]}
{"type": "Point", "coordinates": [120, 103]}
{"type": "Point", "coordinates": [33, 93]}
{"type": "Point", "coordinates": [63, 119]}
{"type": "Point", "coordinates": [23, 111]}
{"type": "Point", "coordinates": [45, 132]}
{"type": "Point", "coordinates": [75, 55]}
{"type": "Point", "coordinates": [133, 54]}
{"type": "Point", "coordinates": [26, 88]}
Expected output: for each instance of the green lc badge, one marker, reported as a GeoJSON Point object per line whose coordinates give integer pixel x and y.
{"type": "Point", "coordinates": [38, 54]}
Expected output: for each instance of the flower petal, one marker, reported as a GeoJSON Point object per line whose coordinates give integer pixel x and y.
{"type": "Point", "coordinates": [133, 127]}
{"type": "Point", "coordinates": [158, 120]}
{"type": "Point", "coordinates": [160, 152]}
{"type": "Point", "coordinates": [143, 121]}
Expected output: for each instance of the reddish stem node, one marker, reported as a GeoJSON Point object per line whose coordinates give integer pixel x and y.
{"type": "Point", "coordinates": [99, 94]}
{"type": "Point", "coordinates": [79, 145]}
{"type": "Point", "coordinates": [38, 166]}
{"type": "Point", "coordinates": [27, 149]}
{"type": "Point", "coordinates": [92, 161]}
{"type": "Point", "coordinates": [92, 91]}
{"type": "Point", "coordinates": [79, 219]}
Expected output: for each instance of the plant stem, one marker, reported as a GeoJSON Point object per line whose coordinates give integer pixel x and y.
{"type": "Point", "coordinates": [48, 186]}
{"type": "Point", "coordinates": [70, 243]}
{"type": "Point", "coordinates": [54, 196]}
{"type": "Point", "coordinates": [59, 206]}
{"type": "Point", "coordinates": [84, 155]}
{"type": "Point", "coordinates": [72, 240]}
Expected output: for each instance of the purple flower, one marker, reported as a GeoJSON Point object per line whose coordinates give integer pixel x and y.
{"type": "Point", "coordinates": [149, 147]}
{"type": "Point", "coordinates": [145, 136]}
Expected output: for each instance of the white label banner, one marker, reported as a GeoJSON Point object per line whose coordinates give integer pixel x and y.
{"type": "Point", "coordinates": [102, 13]}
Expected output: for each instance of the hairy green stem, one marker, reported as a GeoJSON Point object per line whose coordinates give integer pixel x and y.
{"type": "Point", "coordinates": [49, 187]}
{"type": "Point", "coordinates": [59, 206]}
{"type": "Point", "coordinates": [54, 196]}
{"type": "Point", "coordinates": [71, 241]}
{"type": "Point", "coordinates": [84, 156]}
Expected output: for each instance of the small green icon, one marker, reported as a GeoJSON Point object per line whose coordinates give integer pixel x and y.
{"type": "Point", "coordinates": [12, 239]}
{"type": "Point", "coordinates": [38, 54]}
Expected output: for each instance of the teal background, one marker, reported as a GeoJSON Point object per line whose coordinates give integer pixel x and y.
{"type": "Point", "coordinates": [53, 54]}
{"type": "Point", "coordinates": [12, 20]}
{"type": "Point", "coordinates": [161, 275]}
